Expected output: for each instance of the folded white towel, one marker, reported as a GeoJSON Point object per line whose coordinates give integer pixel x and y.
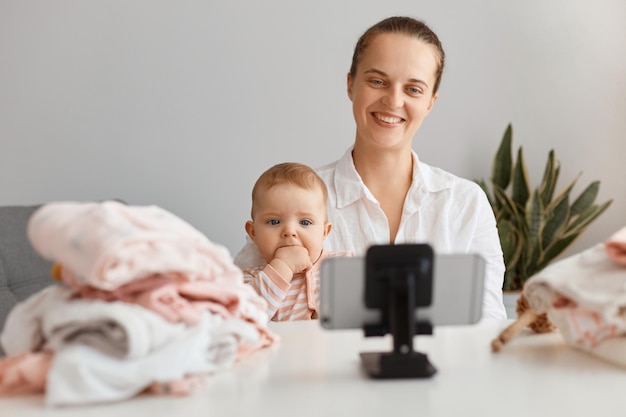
{"type": "Point", "coordinates": [584, 295]}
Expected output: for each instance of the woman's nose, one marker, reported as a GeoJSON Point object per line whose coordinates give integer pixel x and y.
{"type": "Point", "coordinates": [393, 98]}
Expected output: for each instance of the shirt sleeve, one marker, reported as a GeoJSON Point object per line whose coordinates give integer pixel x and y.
{"type": "Point", "coordinates": [270, 285]}
{"type": "Point", "coordinates": [487, 242]}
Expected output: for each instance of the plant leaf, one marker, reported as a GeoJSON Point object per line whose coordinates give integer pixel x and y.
{"type": "Point", "coordinates": [555, 249]}
{"type": "Point", "coordinates": [520, 187]}
{"type": "Point", "coordinates": [549, 180]}
{"type": "Point", "coordinates": [586, 198]}
{"type": "Point", "coordinates": [508, 209]}
{"type": "Point", "coordinates": [557, 214]}
{"type": "Point", "coordinates": [512, 243]}
{"type": "Point", "coordinates": [586, 217]}
{"type": "Point", "coordinates": [572, 232]}
{"type": "Point", "coordinates": [511, 281]}
{"type": "Point", "coordinates": [502, 166]}
{"type": "Point", "coordinates": [535, 219]}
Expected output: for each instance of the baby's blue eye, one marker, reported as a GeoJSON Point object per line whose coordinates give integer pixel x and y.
{"type": "Point", "coordinates": [306, 222]}
{"type": "Point", "coordinates": [273, 222]}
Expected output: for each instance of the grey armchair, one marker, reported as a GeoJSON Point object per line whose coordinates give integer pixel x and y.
{"type": "Point", "coordinates": [22, 271]}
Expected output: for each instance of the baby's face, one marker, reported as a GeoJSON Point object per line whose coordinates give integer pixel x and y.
{"type": "Point", "coordinates": [287, 215]}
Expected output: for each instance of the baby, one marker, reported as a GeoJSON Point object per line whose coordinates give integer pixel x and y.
{"type": "Point", "coordinates": [289, 225]}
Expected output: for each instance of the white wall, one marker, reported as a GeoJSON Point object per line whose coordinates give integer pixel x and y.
{"type": "Point", "coordinates": [184, 103]}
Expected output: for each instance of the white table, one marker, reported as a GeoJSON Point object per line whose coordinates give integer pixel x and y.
{"type": "Point", "coordinates": [315, 372]}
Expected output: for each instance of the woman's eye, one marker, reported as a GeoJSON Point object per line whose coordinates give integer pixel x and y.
{"type": "Point", "coordinates": [273, 222]}
{"type": "Point", "coordinates": [414, 91]}
{"type": "Point", "coordinates": [306, 222]}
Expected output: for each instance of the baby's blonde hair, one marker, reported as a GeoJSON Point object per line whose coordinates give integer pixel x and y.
{"type": "Point", "coordinates": [294, 173]}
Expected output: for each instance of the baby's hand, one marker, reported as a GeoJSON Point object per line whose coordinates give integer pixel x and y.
{"type": "Point", "coordinates": [295, 257]}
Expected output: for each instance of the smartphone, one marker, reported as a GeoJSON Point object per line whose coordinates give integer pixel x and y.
{"type": "Point", "coordinates": [457, 292]}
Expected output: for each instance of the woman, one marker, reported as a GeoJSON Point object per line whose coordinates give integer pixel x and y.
{"type": "Point", "coordinates": [379, 191]}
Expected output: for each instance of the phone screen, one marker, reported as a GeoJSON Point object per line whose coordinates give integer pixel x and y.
{"type": "Point", "coordinates": [458, 282]}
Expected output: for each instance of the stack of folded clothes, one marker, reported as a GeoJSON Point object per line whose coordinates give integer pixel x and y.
{"type": "Point", "coordinates": [146, 303]}
{"type": "Point", "coordinates": [584, 295]}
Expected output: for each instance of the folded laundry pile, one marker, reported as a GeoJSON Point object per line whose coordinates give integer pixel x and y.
{"type": "Point", "coordinates": [146, 303]}
{"type": "Point", "coordinates": [584, 295]}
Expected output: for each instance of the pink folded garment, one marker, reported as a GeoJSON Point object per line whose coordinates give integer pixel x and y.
{"type": "Point", "coordinates": [616, 246]}
{"type": "Point", "coordinates": [25, 373]}
{"type": "Point", "coordinates": [178, 300]}
{"type": "Point", "coordinates": [109, 244]}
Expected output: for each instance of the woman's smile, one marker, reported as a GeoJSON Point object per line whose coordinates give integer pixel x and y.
{"type": "Point", "coordinates": [387, 119]}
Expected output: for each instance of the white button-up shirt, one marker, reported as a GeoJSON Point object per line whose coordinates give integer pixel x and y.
{"type": "Point", "coordinates": [450, 213]}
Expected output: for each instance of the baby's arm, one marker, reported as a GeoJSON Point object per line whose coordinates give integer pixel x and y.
{"type": "Point", "coordinates": [290, 260]}
{"type": "Point", "coordinates": [273, 281]}
{"type": "Point", "coordinates": [269, 285]}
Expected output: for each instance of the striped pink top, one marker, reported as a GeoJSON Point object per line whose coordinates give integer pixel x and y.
{"type": "Point", "coordinates": [295, 300]}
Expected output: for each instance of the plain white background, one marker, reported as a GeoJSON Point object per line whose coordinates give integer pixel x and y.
{"type": "Point", "coordinates": [183, 104]}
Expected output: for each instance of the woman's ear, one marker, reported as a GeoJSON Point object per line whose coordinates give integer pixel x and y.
{"type": "Point", "coordinates": [349, 82]}
{"type": "Point", "coordinates": [250, 229]}
{"type": "Point", "coordinates": [432, 101]}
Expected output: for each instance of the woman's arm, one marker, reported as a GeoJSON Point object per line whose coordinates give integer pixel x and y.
{"type": "Point", "coordinates": [487, 243]}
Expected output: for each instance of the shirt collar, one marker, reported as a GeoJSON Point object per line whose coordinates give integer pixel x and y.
{"type": "Point", "coordinates": [348, 183]}
{"type": "Point", "coordinates": [350, 186]}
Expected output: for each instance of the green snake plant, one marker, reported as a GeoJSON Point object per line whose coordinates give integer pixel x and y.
{"type": "Point", "coordinates": [535, 226]}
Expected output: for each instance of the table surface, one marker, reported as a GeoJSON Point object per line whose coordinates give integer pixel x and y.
{"type": "Point", "coordinates": [317, 372]}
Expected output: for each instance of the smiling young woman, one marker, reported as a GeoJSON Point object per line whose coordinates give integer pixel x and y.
{"type": "Point", "coordinates": [392, 93]}
{"type": "Point", "coordinates": [379, 192]}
